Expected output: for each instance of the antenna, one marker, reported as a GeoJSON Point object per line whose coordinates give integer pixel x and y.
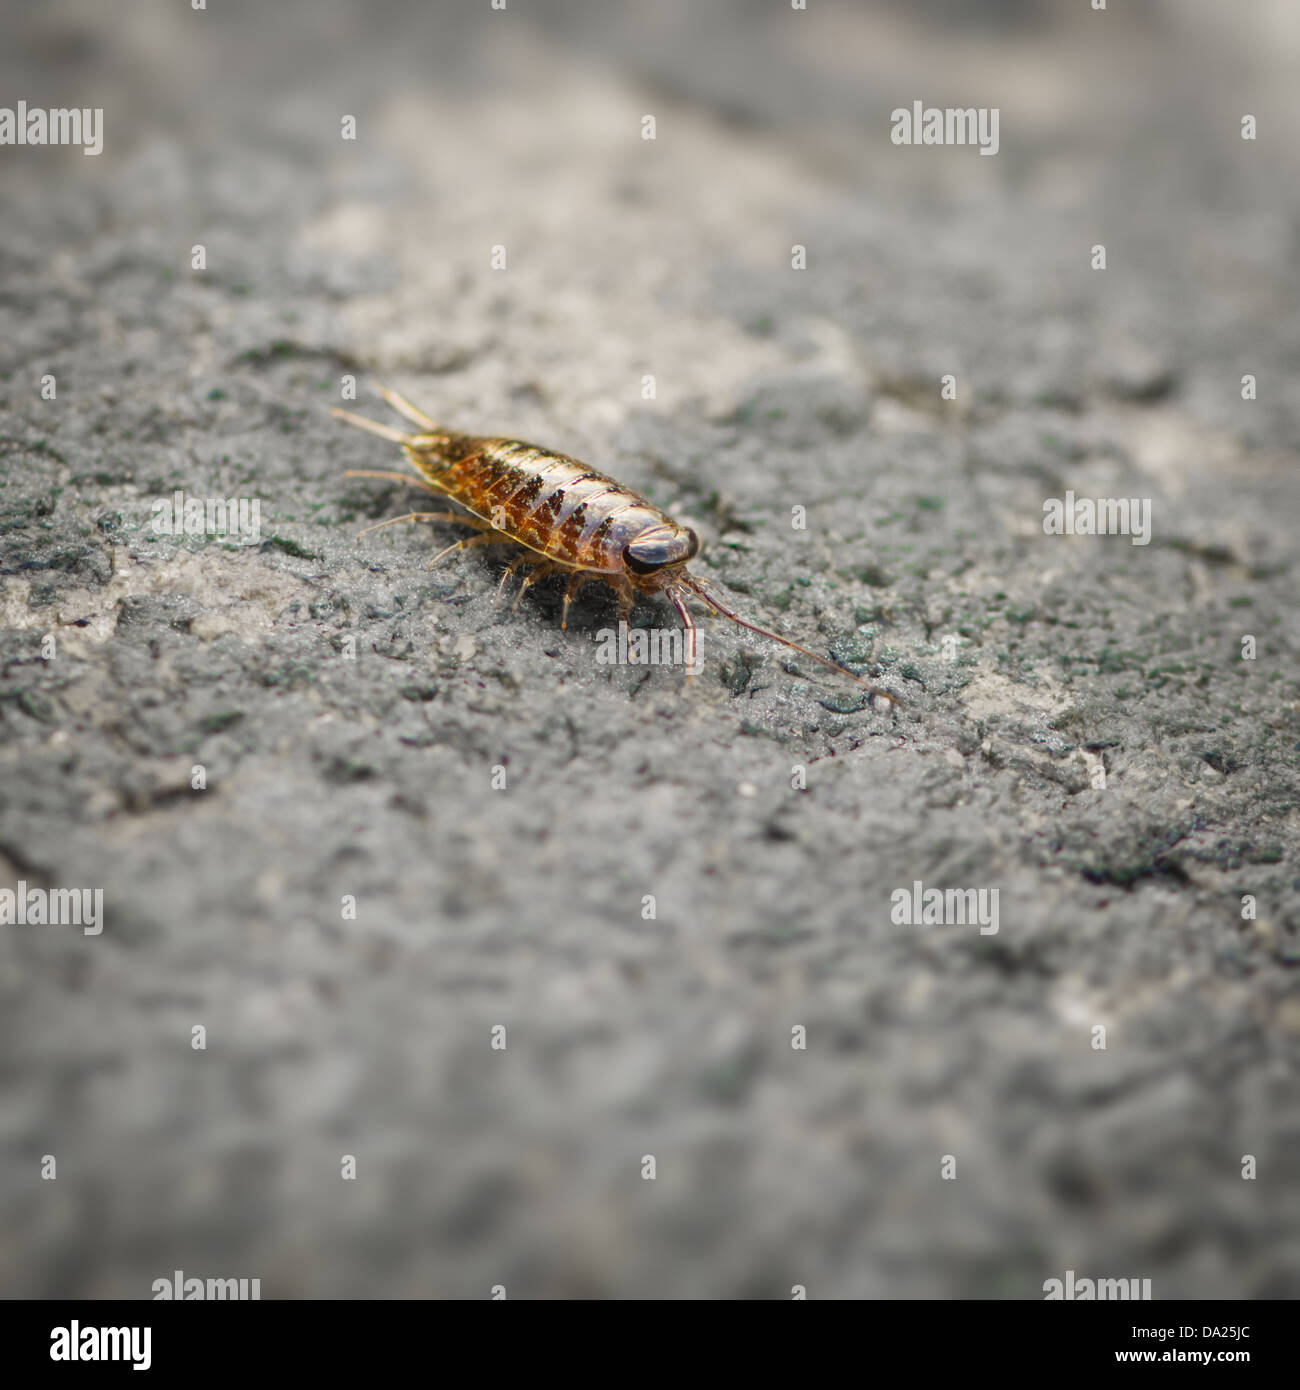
{"type": "Point", "coordinates": [690, 582]}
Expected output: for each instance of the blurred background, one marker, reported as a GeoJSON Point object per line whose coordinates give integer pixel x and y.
{"type": "Point", "coordinates": [325, 257]}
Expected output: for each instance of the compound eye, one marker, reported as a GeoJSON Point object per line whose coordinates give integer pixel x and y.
{"type": "Point", "coordinates": [642, 564]}
{"type": "Point", "coordinates": [659, 546]}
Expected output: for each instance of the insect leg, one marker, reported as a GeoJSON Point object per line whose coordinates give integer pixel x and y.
{"type": "Point", "coordinates": [404, 407]}
{"type": "Point", "coordinates": [383, 431]}
{"type": "Point", "coordinates": [690, 634]}
{"type": "Point", "coordinates": [576, 581]}
{"type": "Point", "coordinates": [395, 478]}
{"type": "Point", "coordinates": [509, 574]}
{"type": "Point", "coordinates": [489, 537]}
{"type": "Point", "coordinates": [542, 571]}
{"type": "Point", "coordinates": [626, 598]}
{"type": "Point", "coordinates": [427, 516]}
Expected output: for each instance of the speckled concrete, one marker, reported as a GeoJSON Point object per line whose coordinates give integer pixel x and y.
{"type": "Point", "coordinates": [1092, 745]}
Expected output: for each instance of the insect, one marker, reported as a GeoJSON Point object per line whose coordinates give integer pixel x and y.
{"type": "Point", "coordinates": [564, 517]}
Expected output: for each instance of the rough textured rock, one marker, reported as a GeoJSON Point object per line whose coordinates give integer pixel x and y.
{"type": "Point", "coordinates": [372, 778]}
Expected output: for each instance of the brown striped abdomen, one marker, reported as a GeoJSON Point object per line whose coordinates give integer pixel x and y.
{"type": "Point", "coordinates": [552, 503]}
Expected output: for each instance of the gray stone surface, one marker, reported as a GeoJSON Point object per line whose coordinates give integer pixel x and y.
{"type": "Point", "coordinates": [522, 907]}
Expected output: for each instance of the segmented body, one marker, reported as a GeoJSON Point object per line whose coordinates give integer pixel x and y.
{"type": "Point", "coordinates": [568, 518]}
{"type": "Point", "coordinates": [555, 505]}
